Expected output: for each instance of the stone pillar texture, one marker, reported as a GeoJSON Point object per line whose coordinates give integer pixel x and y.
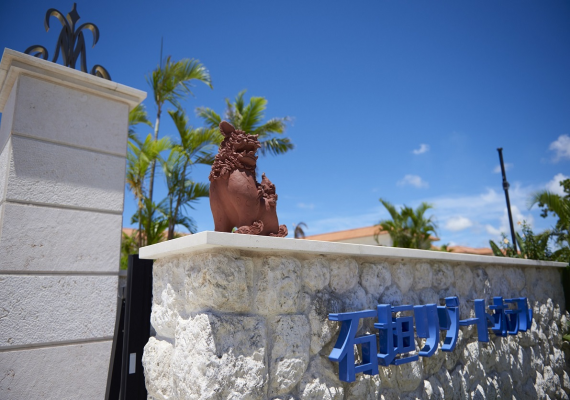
{"type": "Point", "coordinates": [63, 143]}
{"type": "Point", "coordinates": [244, 317]}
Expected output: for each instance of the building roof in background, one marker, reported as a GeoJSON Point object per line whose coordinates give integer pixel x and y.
{"type": "Point", "coordinates": [483, 251]}
{"type": "Point", "coordinates": [352, 234]}
{"type": "Point", "coordinates": [347, 234]}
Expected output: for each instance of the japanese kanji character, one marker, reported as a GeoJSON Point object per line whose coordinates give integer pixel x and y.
{"type": "Point", "coordinates": [481, 320]}
{"type": "Point", "coordinates": [396, 335]}
{"type": "Point", "coordinates": [343, 351]}
{"type": "Point", "coordinates": [427, 327]}
{"type": "Point", "coordinates": [520, 318]}
{"type": "Point", "coordinates": [449, 321]}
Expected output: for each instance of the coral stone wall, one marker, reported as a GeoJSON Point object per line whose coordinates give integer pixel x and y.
{"type": "Point", "coordinates": [254, 325]}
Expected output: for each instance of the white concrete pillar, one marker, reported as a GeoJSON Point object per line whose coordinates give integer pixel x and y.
{"type": "Point", "coordinates": [63, 142]}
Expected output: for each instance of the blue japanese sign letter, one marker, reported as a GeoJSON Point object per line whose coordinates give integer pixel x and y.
{"type": "Point", "coordinates": [343, 352]}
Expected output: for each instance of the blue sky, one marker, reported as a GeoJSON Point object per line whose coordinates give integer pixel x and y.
{"type": "Point", "coordinates": [404, 100]}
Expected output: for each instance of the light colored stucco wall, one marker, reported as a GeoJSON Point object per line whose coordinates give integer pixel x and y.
{"type": "Point", "coordinates": [62, 168]}
{"type": "Point", "coordinates": [241, 316]}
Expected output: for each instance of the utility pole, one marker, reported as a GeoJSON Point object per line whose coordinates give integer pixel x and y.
{"type": "Point", "coordinates": [506, 189]}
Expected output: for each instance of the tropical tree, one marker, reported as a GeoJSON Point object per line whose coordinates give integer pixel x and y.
{"type": "Point", "coordinates": [170, 83]}
{"type": "Point", "coordinates": [249, 118]}
{"type": "Point", "coordinates": [137, 116]}
{"type": "Point", "coordinates": [196, 146]}
{"type": "Point", "coordinates": [140, 156]}
{"type": "Point", "coordinates": [558, 205]}
{"type": "Point", "coordinates": [408, 228]}
{"type": "Point", "coordinates": [299, 232]}
{"type": "Point", "coordinates": [531, 246]}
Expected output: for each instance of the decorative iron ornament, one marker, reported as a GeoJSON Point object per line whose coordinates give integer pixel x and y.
{"type": "Point", "coordinates": [71, 42]}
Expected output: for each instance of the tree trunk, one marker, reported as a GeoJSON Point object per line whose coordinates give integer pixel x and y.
{"type": "Point", "coordinates": [153, 164]}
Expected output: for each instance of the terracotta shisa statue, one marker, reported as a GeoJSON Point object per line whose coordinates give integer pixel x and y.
{"type": "Point", "coordinates": [237, 200]}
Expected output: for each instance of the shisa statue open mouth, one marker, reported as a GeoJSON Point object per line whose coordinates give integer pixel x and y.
{"type": "Point", "coordinates": [237, 200]}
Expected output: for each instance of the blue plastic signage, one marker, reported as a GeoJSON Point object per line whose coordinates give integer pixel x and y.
{"type": "Point", "coordinates": [396, 334]}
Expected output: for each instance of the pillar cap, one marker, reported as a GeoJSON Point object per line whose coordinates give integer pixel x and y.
{"type": "Point", "coordinates": [14, 64]}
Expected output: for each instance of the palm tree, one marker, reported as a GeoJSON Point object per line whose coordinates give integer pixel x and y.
{"type": "Point", "coordinates": [248, 118]}
{"type": "Point", "coordinates": [139, 158]}
{"type": "Point", "coordinates": [137, 116]}
{"type": "Point", "coordinates": [559, 205]}
{"type": "Point", "coordinates": [408, 228]}
{"type": "Point", "coordinates": [299, 232]}
{"type": "Point", "coordinates": [171, 83]}
{"type": "Point", "coordinates": [196, 146]}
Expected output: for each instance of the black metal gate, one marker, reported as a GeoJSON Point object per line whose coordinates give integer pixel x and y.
{"type": "Point", "coordinates": [125, 379]}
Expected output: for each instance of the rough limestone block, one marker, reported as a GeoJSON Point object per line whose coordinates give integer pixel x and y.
{"type": "Point", "coordinates": [515, 277]}
{"type": "Point", "coordinates": [464, 283]}
{"type": "Point", "coordinates": [7, 120]}
{"type": "Point", "coordinates": [278, 286]}
{"type": "Point", "coordinates": [219, 358]}
{"type": "Point", "coordinates": [442, 276]}
{"type": "Point", "coordinates": [409, 376]}
{"type": "Point", "coordinates": [344, 274]}
{"type": "Point", "coordinates": [423, 275]}
{"type": "Point", "coordinates": [316, 274]}
{"type": "Point", "coordinates": [365, 387]}
{"type": "Point", "coordinates": [289, 355]}
{"type": "Point", "coordinates": [59, 175]}
{"type": "Point", "coordinates": [217, 282]}
{"type": "Point", "coordinates": [58, 113]}
{"type": "Point", "coordinates": [375, 278]}
{"type": "Point", "coordinates": [392, 295]}
{"type": "Point", "coordinates": [39, 373]}
{"type": "Point", "coordinates": [156, 362]}
{"type": "Point", "coordinates": [481, 284]}
{"type": "Point", "coordinates": [51, 308]}
{"type": "Point", "coordinates": [402, 275]}
{"type": "Point", "coordinates": [168, 294]}
{"type": "Point", "coordinates": [54, 239]}
{"type": "Point", "coordinates": [323, 330]}
{"type": "Point", "coordinates": [320, 382]}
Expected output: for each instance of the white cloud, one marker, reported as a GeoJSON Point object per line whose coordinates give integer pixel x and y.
{"type": "Point", "coordinates": [554, 185]}
{"type": "Point", "coordinates": [458, 223]}
{"type": "Point", "coordinates": [413, 180]}
{"type": "Point", "coordinates": [305, 206]}
{"type": "Point", "coordinates": [486, 210]}
{"type": "Point", "coordinates": [561, 148]}
{"type": "Point", "coordinates": [492, 230]}
{"type": "Point", "coordinates": [497, 169]}
{"type": "Point", "coordinates": [424, 148]}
